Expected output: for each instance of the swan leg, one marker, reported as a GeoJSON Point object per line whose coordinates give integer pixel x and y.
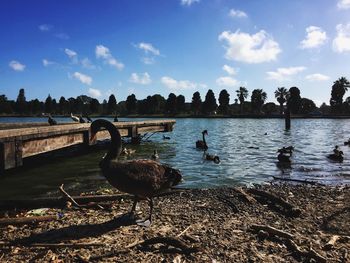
{"type": "Point", "coordinates": [147, 222]}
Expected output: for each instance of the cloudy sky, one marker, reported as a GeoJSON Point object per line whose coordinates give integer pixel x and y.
{"type": "Point", "coordinates": [99, 47]}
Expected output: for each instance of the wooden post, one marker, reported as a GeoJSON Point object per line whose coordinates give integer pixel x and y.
{"type": "Point", "coordinates": [287, 119]}
{"type": "Point", "coordinates": [10, 154]}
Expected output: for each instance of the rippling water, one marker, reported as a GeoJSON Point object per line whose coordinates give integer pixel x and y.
{"type": "Point", "coordinates": [247, 156]}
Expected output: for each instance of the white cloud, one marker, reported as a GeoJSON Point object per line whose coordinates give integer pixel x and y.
{"type": "Point", "coordinates": [86, 63]}
{"type": "Point", "coordinates": [70, 53]}
{"type": "Point", "coordinates": [174, 84]}
{"type": "Point", "coordinates": [243, 47]}
{"type": "Point", "coordinates": [47, 63]}
{"type": "Point", "coordinates": [315, 37]}
{"type": "Point", "coordinates": [317, 77]}
{"type": "Point", "coordinates": [342, 41]}
{"type": "Point", "coordinates": [16, 66]}
{"type": "Point", "coordinates": [63, 36]}
{"type": "Point", "coordinates": [227, 81]}
{"type": "Point", "coordinates": [148, 48]}
{"type": "Point", "coordinates": [85, 79]}
{"type": "Point", "coordinates": [237, 13]}
{"type": "Point", "coordinates": [189, 2]}
{"type": "Point", "coordinates": [95, 93]}
{"type": "Point", "coordinates": [343, 4]}
{"type": "Point", "coordinates": [143, 79]}
{"type": "Point", "coordinates": [148, 60]}
{"type": "Point", "coordinates": [105, 54]}
{"type": "Point", "coordinates": [284, 73]}
{"type": "Point", "coordinates": [45, 27]}
{"type": "Point", "coordinates": [229, 70]}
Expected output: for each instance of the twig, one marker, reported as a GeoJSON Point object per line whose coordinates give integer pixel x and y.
{"type": "Point", "coordinates": [273, 231]}
{"type": "Point", "coordinates": [68, 196]}
{"type": "Point", "coordinates": [302, 253]}
{"type": "Point", "coordinates": [183, 232]}
{"type": "Point", "coordinates": [330, 244]}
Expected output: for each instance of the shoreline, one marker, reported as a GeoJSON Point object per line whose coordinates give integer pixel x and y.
{"type": "Point", "coordinates": [226, 224]}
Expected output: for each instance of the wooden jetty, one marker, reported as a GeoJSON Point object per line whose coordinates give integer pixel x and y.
{"type": "Point", "coordinates": [33, 139]}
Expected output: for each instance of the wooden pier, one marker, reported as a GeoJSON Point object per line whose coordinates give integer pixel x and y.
{"type": "Point", "coordinates": [33, 139]}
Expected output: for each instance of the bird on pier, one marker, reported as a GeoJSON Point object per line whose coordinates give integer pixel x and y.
{"type": "Point", "coordinates": [88, 119]}
{"type": "Point", "coordinates": [115, 118]}
{"type": "Point", "coordinates": [336, 155]}
{"type": "Point", "coordinates": [202, 144]}
{"type": "Point", "coordinates": [81, 119]}
{"type": "Point", "coordinates": [51, 121]}
{"type": "Point", "coordinates": [74, 118]}
{"type": "Point", "coordinates": [142, 178]}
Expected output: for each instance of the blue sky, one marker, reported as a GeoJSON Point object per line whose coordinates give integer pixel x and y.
{"type": "Point", "coordinates": [69, 48]}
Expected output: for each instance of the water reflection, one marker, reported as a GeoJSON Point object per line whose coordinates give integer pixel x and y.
{"type": "Point", "coordinates": [247, 150]}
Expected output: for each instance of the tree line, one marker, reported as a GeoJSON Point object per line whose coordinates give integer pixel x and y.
{"type": "Point", "coordinates": [175, 105]}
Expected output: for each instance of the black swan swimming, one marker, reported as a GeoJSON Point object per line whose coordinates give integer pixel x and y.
{"type": "Point", "coordinates": [211, 157]}
{"type": "Point", "coordinates": [336, 155]}
{"type": "Point", "coordinates": [202, 144]}
{"type": "Point", "coordinates": [283, 158]}
{"type": "Point", "coordinates": [142, 178]}
{"type": "Point", "coordinates": [166, 137]}
{"type": "Point", "coordinates": [288, 150]}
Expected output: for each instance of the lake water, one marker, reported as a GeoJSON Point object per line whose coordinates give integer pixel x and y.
{"type": "Point", "coordinates": [230, 139]}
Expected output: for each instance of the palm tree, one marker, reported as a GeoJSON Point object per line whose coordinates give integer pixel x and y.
{"type": "Point", "coordinates": [242, 94]}
{"type": "Point", "coordinates": [281, 95]}
{"type": "Point", "coordinates": [257, 99]}
{"type": "Point", "coordinates": [340, 86]}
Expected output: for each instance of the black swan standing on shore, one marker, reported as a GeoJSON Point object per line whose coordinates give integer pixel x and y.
{"type": "Point", "coordinates": [51, 121]}
{"type": "Point", "coordinates": [202, 144]}
{"type": "Point", "coordinates": [142, 178]}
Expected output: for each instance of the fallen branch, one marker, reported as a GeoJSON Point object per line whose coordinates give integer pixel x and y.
{"type": "Point", "coordinates": [243, 195]}
{"type": "Point", "coordinates": [68, 196]}
{"type": "Point", "coordinates": [295, 180]}
{"type": "Point", "coordinates": [274, 199]}
{"type": "Point", "coordinates": [273, 231]}
{"type": "Point", "coordinates": [183, 232]}
{"type": "Point", "coordinates": [27, 220]}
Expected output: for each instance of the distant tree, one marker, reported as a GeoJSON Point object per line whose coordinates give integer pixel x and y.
{"type": "Point", "coordinates": [5, 106]}
{"type": "Point", "coordinates": [269, 108]}
{"type": "Point", "coordinates": [224, 101]}
{"type": "Point", "coordinates": [112, 105]}
{"type": "Point", "coordinates": [340, 86]}
{"type": "Point", "coordinates": [281, 94]}
{"type": "Point", "coordinates": [48, 104]}
{"type": "Point", "coordinates": [21, 103]}
{"type": "Point", "coordinates": [35, 106]}
{"type": "Point", "coordinates": [209, 104]}
{"type": "Point", "coordinates": [170, 105]}
{"type": "Point", "coordinates": [180, 103]}
{"type": "Point", "coordinates": [104, 107]}
{"type": "Point", "coordinates": [307, 106]}
{"type": "Point", "coordinates": [236, 101]}
{"type": "Point", "coordinates": [196, 103]}
{"type": "Point", "coordinates": [131, 104]}
{"type": "Point", "coordinates": [242, 94]}
{"type": "Point", "coordinates": [324, 108]}
{"type": "Point", "coordinates": [94, 106]}
{"type": "Point", "coordinates": [294, 100]}
{"type": "Point", "coordinates": [156, 104]}
{"type": "Point", "coordinates": [63, 106]}
{"type": "Point", "coordinates": [258, 99]}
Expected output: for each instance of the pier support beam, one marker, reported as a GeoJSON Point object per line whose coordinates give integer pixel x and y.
{"type": "Point", "coordinates": [10, 154]}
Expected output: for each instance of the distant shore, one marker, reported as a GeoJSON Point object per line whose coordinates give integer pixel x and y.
{"type": "Point", "coordinates": [190, 116]}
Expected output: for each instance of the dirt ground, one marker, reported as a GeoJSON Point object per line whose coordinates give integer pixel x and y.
{"type": "Point", "coordinates": [297, 223]}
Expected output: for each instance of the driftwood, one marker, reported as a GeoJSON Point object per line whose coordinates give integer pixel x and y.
{"type": "Point", "coordinates": [243, 195]}
{"type": "Point", "coordinates": [27, 220]}
{"type": "Point", "coordinates": [274, 199]}
{"type": "Point", "coordinates": [295, 180]}
{"type": "Point", "coordinates": [273, 231]}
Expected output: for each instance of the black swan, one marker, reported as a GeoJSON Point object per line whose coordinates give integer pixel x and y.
{"type": "Point", "coordinates": [166, 137]}
{"type": "Point", "coordinates": [51, 121]}
{"type": "Point", "coordinates": [74, 118]}
{"type": "Point", "coordinates": [288, 149]}
{"type": "Point", "coordinates": [211, 157]}
{"type": "Point", "coordinates": [283, 158]}
{"type": "Point", "coordinates": [81, 119]}
{"type": "Point", "coordinates": [115, 119]}
{"type": "Point", "coordinates": [88, 119]}
{"type": "Point", "coordinates": [347, 143]}
{"type": "Point", "coordinates": [336, 155]}
{"type": "Point", "coordinates": [142, 178]}
{"type": "Point", "coordinates": [202, 144]}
